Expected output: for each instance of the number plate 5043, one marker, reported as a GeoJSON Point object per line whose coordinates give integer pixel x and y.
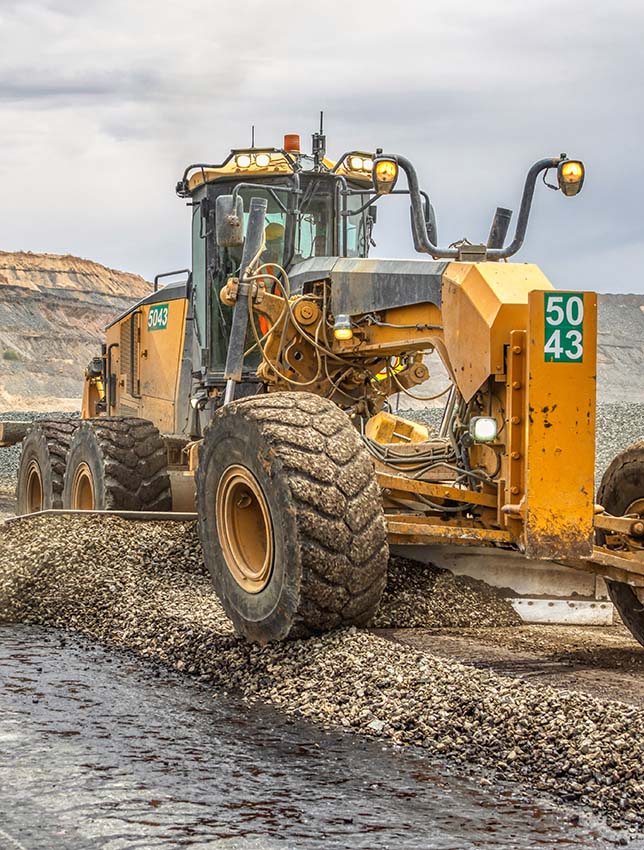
{"type": "Point", "coordinates": [564, 327]}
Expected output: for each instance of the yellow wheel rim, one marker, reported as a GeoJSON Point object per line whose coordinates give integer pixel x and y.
{"type": "Point", "coordinates": [83, 489]}
{"type": "Point", "coordinates": [245, 529]}
{"type": "Point", "coordinates": [34, 488]}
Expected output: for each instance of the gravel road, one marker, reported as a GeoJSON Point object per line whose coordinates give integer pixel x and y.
{"type": "Point", "coordinates": [143, 586]}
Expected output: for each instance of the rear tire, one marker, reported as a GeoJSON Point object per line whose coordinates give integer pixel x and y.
{"type": "Point", "coordinates": [42, 465]}
{"type": "Point", "coordinates": [620, 491]}
{"type": "Point", "coordinates": [117, 463]}
{"type": "Point", "coordinates": [290, 517]}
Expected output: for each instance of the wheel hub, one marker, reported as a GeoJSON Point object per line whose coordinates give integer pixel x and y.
{"type": "Point", "coordinates": [83, 489]}
{"type": "Point", "coordinates": [34, 488]}
{"type": "Point", "coordinates": [245, 528]}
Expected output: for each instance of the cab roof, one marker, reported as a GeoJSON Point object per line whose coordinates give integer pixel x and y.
{"type": "Point", "coordinates": [268, 162]}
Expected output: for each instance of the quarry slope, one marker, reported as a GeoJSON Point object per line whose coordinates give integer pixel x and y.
{"type": "Point", "coordinates": [53, 311]}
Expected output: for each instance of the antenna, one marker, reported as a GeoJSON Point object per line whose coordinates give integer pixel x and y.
{"type": "Point", "coordinates": [319, 144]}
{"type": "Point", "coordinates": [252, 135]}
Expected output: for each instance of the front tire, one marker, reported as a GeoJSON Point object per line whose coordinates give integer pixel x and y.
{"type": "Point", "coordinates": [290, 517]}
{"type": "Point", "coordinates": [621, 492]}
{"type": "Point", "coordinates": [117, 463]}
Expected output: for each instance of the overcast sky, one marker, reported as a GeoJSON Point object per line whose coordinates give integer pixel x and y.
{"type": "Point", "coordinates": [105, 101]}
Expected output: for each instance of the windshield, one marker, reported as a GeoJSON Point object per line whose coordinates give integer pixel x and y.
{"type": "Point", "coordinates": [275, 226]}
{"type": "Point", "coordinates": [314, 233]}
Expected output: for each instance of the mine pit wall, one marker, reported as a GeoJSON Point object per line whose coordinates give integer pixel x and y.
{"type": "Point", "coordinates": [53, 313]}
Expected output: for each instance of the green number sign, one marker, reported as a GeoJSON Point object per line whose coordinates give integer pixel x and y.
{"type": "Point", "coordinates": [564, 324]}
{"type": "Point", "coordinates": [158, 317]}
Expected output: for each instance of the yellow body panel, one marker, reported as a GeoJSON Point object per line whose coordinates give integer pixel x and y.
{"type": "Point", "coordinates": [560, 441]}
{"type": "Point", "coordinates": [482, 304]}
{"type": "Point", "coordinates": [158, 353]}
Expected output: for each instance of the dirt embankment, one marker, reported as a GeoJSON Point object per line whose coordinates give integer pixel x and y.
{"type": "Point", "coordinates": [53, 312]}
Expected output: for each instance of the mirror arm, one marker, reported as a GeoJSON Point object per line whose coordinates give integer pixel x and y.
{"type": "Point", "coordinates": [417, 213]}
{"type": "Point", "coordinates": [524, 211]}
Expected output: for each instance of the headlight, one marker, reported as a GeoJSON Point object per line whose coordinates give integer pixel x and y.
{"type": "Point", "coordinates": [342, 327]}
{"type": "Point", "coordinates": [242, 160]}
{"type": "Point", "coordinates": [385, 174]}
{"type": "Point", "coordinates": [263, 160]}
{"type": "Point", "coordinates": [483, 429]}
{"type": "Point", "coordinates": [362, 162]}
{"type": "Point", "coordinates": [570, 176]}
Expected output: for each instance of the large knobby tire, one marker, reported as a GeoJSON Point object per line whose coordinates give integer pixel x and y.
{"type": "Point", "coordinates": [620, 491]}
{"type": "Point", "coordinates": [117, 463]}
{"type": "Point", "coordinates": [42, 465]}
{"type": "Point", "coordinates": [290, 517]}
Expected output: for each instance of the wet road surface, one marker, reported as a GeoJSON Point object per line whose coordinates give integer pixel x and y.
{"type": "Point", "coordinates": [99, 749]}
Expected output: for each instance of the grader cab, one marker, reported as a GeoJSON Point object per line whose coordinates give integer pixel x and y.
{"type": "Point", "coordinates": [255, 394]}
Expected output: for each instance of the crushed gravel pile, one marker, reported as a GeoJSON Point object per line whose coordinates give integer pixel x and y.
{"type": "Point", "coordinates": [144, 587]}
{"type": "Point", "coordinates": [423, 596]}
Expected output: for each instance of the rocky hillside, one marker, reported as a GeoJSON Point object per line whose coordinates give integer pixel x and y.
{"type": "Point", "coordinates": [53, 310]}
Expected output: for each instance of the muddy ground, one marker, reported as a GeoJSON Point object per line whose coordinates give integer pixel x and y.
{"type": "Point", "coordinates": [521, 702]}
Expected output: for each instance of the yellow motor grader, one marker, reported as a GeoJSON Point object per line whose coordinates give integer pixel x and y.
{"type": "Point", "coordinates": [256, 394]}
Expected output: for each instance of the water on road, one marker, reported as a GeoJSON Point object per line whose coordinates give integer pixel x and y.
{"type": "Point", "coordinates": [99, 749]}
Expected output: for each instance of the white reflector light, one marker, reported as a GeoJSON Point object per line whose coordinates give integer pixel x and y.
{"type": "Point", "coordinates": [483, 429]}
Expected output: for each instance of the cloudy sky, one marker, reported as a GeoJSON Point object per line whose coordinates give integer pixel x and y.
{"type": "Point", "coordinates": [103, 102]}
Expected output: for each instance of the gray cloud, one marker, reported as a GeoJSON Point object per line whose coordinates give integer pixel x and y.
{"type": "Point", "coordinates": [116, 97]}
{"type": "Point", "coordinates": [52, 90]}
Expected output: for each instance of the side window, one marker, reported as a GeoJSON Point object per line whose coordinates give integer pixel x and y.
{"type": "Point", "coordinates": [356, 224]}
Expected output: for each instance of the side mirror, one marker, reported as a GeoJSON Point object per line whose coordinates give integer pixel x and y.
{"type": "Point", "coordinates": [429, 217]}
{"type": "Point", "coordinates": [229, 221]}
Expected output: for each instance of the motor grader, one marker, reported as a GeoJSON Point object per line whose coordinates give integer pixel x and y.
{"type": "Point", "coordinates": [257, 394]}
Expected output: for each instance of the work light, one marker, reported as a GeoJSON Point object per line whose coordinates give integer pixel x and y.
{"type": "Point", "coordinates": [385, 174]}
{"type": "Point", "coordinates": [263, 160]}
{"type": "Point", "coordinates": [243, 160]}
{"type": "Point", "coordinates": [483, 429]}
{"type": "Point", "coordinates": [570, 176]}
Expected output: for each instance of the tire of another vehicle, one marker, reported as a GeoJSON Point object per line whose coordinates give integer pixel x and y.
{"type": "Point", "coordinates": [42, 465]}
{"type": "Point", "coordinates": [117, 463]}
{"type": "Point", "coordinates": [315, 523]}
{"type": "Point", "coordinates": [622, 485]}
